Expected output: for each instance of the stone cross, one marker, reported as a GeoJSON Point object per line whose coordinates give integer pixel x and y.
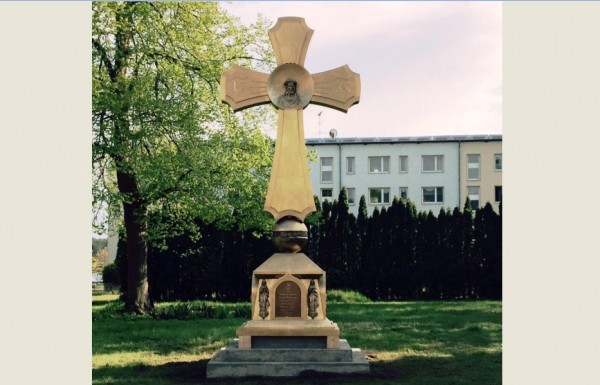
{"type": "Point", "coordinates": [290, 88]}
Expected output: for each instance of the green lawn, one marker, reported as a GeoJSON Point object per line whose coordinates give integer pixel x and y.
{"type": "Point", "coordinates": [410, 343]}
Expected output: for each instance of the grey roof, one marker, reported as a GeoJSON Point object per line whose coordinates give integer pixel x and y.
{"type": "Point", "coordinates": [405, 139]}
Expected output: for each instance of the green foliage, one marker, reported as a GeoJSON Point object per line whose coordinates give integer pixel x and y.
{"type": "Point", "coordinates": [112, 310]}
{"type": "Point", "coordinates": [185, 310]}
{"type": "Point", "coordinates": [202, 310]}
{"type": "Point", "coordinates": [98, 244]}
{"type": "Point", "coordinates": [217, 266]}
{"type": "Point", "coordinates": [160, 119]}
{"type": "Point", "coordinates": [346, 296]}
{"type": "Point", "coordinates": [121, 261]}
{"type": "Point", "coordinates": [99, 254]}
{"type": "Point", "coordinates": [487, 250]}
{"type": "Point", "coordinates": [179, 310]}
{"type": "Point", "coordinates": [398, 254]}
{"type": "Point", "coordinates": [164, 146]}
{"type": "Point", "coordinates": [111, 276]}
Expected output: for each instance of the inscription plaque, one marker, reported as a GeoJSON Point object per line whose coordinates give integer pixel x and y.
{"type": "Point", "coordinates": [287, 300]}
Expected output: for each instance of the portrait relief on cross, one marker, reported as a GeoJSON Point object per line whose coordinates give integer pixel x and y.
{"type": "Point", "coordinates": [290, 97]}
{"type": "Point", "coordinates": [290, 88]}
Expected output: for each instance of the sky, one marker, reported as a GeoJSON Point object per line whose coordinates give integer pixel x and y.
{"type": "Point", "coordinates": [426, 68]}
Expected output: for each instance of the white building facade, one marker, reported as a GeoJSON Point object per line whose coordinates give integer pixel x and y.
{"type": "Point", "coordinates": [426, 170]}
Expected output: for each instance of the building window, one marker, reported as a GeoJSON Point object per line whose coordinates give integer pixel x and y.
{"type": "Point", "coordinates": [379, 196]}
{"type": "Point", "coordinates": [498, 162]}
{"type": "Point", "coordinates": [326, 193]}
{"type": "Point", "coordinates": [404, 193]}
{"type": "Point", "coordinates": [433, 195]}
{"type": "Point", "coordinates": [403, 163]}
{"type": "Point", "coordinates": [350, 165]}
{"type": "Point", "coordinates": [433, 163]}
{"type": "Point", "coordinates": [498, 193]}
{"type": "Point", "coordinates": [351, 191]}
{"type": "Point", "coordinates": [379, 164]}
{"type": "Point", "coordinates": [473, 194]}
{"type": "Point", "coordinates": [326, 170]}
{"type": "Point", "coordinates": [473, 166]}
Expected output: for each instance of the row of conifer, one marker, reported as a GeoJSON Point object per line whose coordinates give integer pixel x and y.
{"type": "Point", "coordinates": [396, 253]}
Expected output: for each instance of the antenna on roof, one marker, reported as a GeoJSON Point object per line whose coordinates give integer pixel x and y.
{"type": "Point", "coordinates": [319, 115]}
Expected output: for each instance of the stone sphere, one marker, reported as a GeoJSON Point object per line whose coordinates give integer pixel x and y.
{"type": "Point", "coordinates": [290, 235]}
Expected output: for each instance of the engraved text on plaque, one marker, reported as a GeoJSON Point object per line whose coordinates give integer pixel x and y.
{"type": "Point", "coordinates": [287, 300]}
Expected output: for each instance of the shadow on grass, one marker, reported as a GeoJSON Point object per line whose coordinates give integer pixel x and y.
{"type": "Point", "coordinates": [464, 369]}
{"type": "Point", "coordinates": [170, 373]}
{"type": "Point", "coordinates": [460, 369]}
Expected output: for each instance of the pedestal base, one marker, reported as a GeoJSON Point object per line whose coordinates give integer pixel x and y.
{"type": "Point", "coordinates": [285, 362]}
{"type": "Point", "coordinates": [290, 333]}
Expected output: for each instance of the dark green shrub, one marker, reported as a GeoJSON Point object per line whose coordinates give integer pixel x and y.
{"type": "Point", "coordinates": [242, 311]}
{"type": "Point", "coordinates": [206, 311]}
{"type": "Point", "coordinates": [346, 296]}
{"type": "Point", "coordinates": [111, 276]}
{"type": "Point", "coordinates": [112, 310]}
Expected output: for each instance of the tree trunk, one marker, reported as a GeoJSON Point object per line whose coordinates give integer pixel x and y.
{"type": "Point", "coordinates": [137, 297]}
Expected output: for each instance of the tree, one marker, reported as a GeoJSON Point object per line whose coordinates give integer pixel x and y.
{"type": "Point", "coordinates": [352, 258]}
{"type": "Point", "coordinates": [362, 225]}
{"type": "Point", "coordinates": [99, 254]}
{"type": "Point", "coordinates": [467, 237]}
{"type": "Point", "coordinates": [99, 260]}
{"type": "Point", "coordinates": [426, 252]}
{"type": "Point", "coordinates": [98, 244]}
{"type": "Point", "coordinates": [385, 254]}
{"type": "Point", "coordinates": [446, 263]}
{"type": "Point", "coordinates": [455, 283]}
{"type": "Point", "coordinates": [341, 238]}
{"type": "Point", "coordinates": [162, 140]}
{"type": "Point", "coordinates": [406, 281]}
{"type": "Point", "coordinates": [326, 237]}
{"type": "Point", "coordinates": [313, 223]}
{"type": "Point", "coordinates": [370, 264]}
{"type": "Point", "coordinates": [487, 251]}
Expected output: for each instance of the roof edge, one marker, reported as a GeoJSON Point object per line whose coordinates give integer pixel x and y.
{"type": "Point", "coordinates": [406, 139]}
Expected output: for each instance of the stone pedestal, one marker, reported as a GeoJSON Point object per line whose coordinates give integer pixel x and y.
{"type": "Point", "coordinates": [320, 333]}
{"type": "Point", "coordinates": [285, 362]}
{"type": "Point", "coordinates": [289, 333]}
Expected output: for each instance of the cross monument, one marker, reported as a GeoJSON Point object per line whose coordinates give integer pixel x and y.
{"type": "Point", "coordinates": [289, 332]}
{"type": "Point", "coordinates": [290, 87]}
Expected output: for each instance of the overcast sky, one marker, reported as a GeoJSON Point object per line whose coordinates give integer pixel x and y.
{"type": "Point", "coordinates": [432, 68]}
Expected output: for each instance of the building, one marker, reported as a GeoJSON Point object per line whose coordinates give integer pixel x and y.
{"type": "Point", "coordinates": [481, 172]}
{"type": "Point", "coordinates": [433, 172]}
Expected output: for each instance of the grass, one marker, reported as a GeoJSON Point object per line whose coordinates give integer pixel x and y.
{"type": "Point", "coordinates": [412, 343]}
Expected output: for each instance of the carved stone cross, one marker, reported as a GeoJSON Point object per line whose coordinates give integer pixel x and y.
{"type": "Point", "coordinates": [290, 88]}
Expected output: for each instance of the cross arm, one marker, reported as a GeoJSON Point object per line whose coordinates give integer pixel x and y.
{"type": "Point", "coordinates": [338, 88]}
{"type": "Point", "coordinates": [290, 38]}
{"type": "Point", "coordinates": [243, 88]}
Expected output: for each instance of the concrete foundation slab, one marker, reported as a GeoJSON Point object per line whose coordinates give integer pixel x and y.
{"type": "Point", "coordinates": [285, 362]}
